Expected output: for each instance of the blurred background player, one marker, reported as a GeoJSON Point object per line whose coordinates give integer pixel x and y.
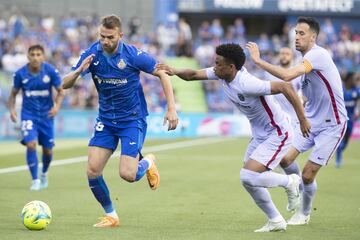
{"type": "Point", "coordinates": [115, 67]}
{"type": "Point", "coordinates": [270, 129]}
{"type": "Point", "coordinates": [37, 80]}
{"type": "Point", "coordinates": [351, 98]}
{"type": "Point", "coordinates": [325, 108]}
{"type": "Point", "coordinates": [286, 61]}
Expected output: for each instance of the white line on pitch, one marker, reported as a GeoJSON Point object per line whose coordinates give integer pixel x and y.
{"type": "Point", "coordinates": [158, 148]}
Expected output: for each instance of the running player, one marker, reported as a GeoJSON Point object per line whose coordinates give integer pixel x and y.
{"type": "Point", "coordinates": [325, 109]}
{"type": "Point", "coordinates": [115, 67]}
{"type": "Point", "coordinates": [37, 80]}
{"type": "Point", "coordinates": [270, 127]}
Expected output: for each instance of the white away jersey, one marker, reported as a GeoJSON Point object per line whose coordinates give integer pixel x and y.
{"type": "Point", "coordinates": [322, 87]}
{"type": "Point", "coordinates": [252, 97]}
{"type": "Point", "coordinates": [285, 105]}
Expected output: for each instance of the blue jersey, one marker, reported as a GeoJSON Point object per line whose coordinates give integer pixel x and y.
{"type": "Point", "coordinates": [117, 80]}
{"type": "Point", "coordinates": [37, 90]}
{"type": "Point", "coordinates": [351, 96]}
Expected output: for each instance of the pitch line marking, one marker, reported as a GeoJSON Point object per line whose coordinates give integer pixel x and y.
{"type": "Point", "coordinates": [157, 148]}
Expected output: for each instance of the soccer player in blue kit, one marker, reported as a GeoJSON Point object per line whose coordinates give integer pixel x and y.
{"type": "Point", "coordinates": [351, 98]}
{"type": "Point", "coordinates": [115, 67]}
{"type": "Point", "coordinates": [37, 80]}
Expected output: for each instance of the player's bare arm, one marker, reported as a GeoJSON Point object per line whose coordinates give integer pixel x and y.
{"type": "Point", "coordinates": [282, 73]}
{"type": "Point", "coordinates": [11, 104]}
{"type": "Point", "coordinates": [171, 115]}
{"type": "Point", "coordinates": [289, 92]}
{"type": "Point", "coordinates": [70, 79]}
{"type": "Point", "coordinates": [57, 103]}
{"type": "Point", "coordinates": [185, 74]}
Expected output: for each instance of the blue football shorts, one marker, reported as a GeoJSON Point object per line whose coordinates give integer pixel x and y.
{"type": "Point", "coordinates": [38, 129]}
{"type": "Point", "coordinates": [131, 133]}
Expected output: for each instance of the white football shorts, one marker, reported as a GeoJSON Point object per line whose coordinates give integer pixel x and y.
{"type": "Point", "coordinates": [324, 140]}
{"type": "Point", "coordinates": [270, 151]}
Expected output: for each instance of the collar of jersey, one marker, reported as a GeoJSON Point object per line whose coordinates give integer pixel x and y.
{"type": "Point", "coordinates": [119, 50]}
{"type": "Point", "coordinates": [36, 74]}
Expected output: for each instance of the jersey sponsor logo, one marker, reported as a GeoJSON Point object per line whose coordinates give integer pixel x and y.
{"type": "Point", "coordinates": [122, 64]}
{"type": "Point", "coordinates": [46, 79]}
{"type": "Point", "coordinates": [113, 81]}
{"type": "Point", "coordinates": [37, 93]}
{"type": "Point", "coordinates": [24, 81]}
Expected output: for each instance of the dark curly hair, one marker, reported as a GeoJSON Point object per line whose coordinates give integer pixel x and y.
{"type": "Point", "coordinates": [232, 53]}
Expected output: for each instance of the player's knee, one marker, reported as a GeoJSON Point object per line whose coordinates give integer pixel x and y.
{"type": "Point", "coordinates": [93, 172]}
{"type": "Point", "coordinates": [307, 178]}
{"type": "Point", "coordinates": [31, 145]}
{"type": "Point", "coordinates": [245, 177]}
{"type": "Point", "coordinates": [127, 175]}
{"type": "Point", "coordinates": [285, 162]}
{"type": "Point", "coordinates": [47, 151]}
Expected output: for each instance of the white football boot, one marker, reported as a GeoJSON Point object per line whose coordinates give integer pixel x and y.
{"type": "Point", "coordinates": [293, 192]}
{"type": "Point", "coordinates": [272, 226]}
{"type": "Point", "coordinates": [299, 218]}
{"type": "Point", "coordinates": [35, 186]}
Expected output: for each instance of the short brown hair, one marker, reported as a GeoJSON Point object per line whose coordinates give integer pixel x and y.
{"type": "Point", "coordinates": [313, 24]}
{"type": "Point", "coordinates": [111, 22]}
{"type": "Point", "coordinates": [36, 47]}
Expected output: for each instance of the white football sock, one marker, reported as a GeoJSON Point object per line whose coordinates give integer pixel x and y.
{"type": "Point", "coordinates": [265, 179]}
{"type": "Point", "coordinates": [308, 197]}
{"type": "Point", "coordinates": [112, 214]}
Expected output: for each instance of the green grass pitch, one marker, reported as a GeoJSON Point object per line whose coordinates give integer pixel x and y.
{"type": "Point", "coordinates": [200, 197]}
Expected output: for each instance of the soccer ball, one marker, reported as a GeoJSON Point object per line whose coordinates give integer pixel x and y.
{"type": "Point", "coordinates": [36, 215]}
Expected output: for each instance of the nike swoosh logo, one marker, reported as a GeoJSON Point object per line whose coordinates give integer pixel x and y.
{"type": "Point", "coordinates": [25, 81]}
{"type": "Point", "coordinates": [132, 143]}
{"type": "Point", "coordinates": [96, 63]}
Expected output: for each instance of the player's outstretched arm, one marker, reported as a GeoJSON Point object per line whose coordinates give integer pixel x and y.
{"type": "Point", "coordinates": [171, 115]}
{"type": "Point", "coordinates": [289, 92]}
{"type": "Point", "coordinates": [70, 79]}
{"type": "Point", "coordinates": [185, 74]}
{"type": "Point", "coordinates": [11, 104]}
{"type": "Point", "coordinates": [282, 73]}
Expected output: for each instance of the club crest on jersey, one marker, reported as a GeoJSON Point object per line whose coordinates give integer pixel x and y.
{"type": "Point", "coordinates": [121, 64]}
{"type": "Point", "coordinates": [241, 97]}
{"type": "Point", "coordinates": [46, 79]}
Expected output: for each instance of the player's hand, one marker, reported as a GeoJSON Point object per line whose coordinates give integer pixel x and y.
{"type": "Point", "coordinates": [86, 63]}
{"type": "Point", "coordinates": [254, 51]}
{"type": "Point", "coordinates": [305, 127]}
{"type": "Point", "coordinates": [172, 119]}
{"type": "Point", "coordinates": [13, 116]}
{"type": "Point", "coordinates": [53, 111]}
{"type": "Point", "coordinates": [169, 70]}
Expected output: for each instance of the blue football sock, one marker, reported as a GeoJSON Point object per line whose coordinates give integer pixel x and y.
{"type": "Point", "coordinates": [338, 157]}
{"type": "Point", "coordinates": [143, 166]}
{"type": "Point", "coordinates": [32, 161]}
{"type": "Point", "coordinates": [46, 159]}
{"type": "Point", "coordinates": [101, 193]}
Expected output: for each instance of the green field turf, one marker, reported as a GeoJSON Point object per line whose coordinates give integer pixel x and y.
{"type": "Point", "coordinates": [200, 197]}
